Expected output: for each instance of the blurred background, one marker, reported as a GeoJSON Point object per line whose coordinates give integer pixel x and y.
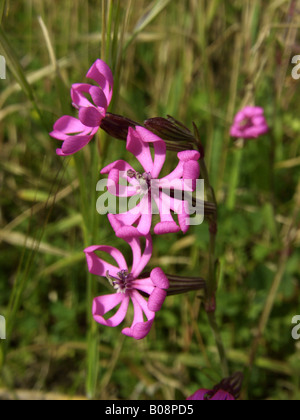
{"type": "Point", "coordinates": [199, 61]}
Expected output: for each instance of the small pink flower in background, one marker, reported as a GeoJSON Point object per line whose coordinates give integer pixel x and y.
{"type": "Point", "coordinates": [128, 284]}
{"type": "Point", "coordinates": [227, 390]}
{"type": "Point", "coordinates": [149, 188]}
{"type": "Point", "coordinates": [249, 123]}
{"type": "Point", "coordinates": [77, 133]}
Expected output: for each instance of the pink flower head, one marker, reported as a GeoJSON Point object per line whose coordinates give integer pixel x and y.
{"type": "Point", "coordinates": [77, 133]}
{"type": "Point", "coordinates": [150, 189]}
{"type": "Point", "coordinates": [249, 123]}
{"type": "Point", "coordinates": [128, 284]}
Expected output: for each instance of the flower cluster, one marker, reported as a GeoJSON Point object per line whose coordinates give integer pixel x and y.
{"type": "Point", "coordinates": [151, 193]}
{"type": "Point", "coordinates": [146, 292]}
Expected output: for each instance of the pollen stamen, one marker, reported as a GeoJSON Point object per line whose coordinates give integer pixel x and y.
{"type": "Point", "coordinates": [121, 283]}
{"type": "Point", "coordinates": [144, 180]}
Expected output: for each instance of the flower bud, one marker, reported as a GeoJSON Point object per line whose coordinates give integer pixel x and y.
{"type": "Point", "coordinates": [169, 129]}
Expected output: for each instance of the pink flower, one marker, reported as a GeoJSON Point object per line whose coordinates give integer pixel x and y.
{"type": "Point", "coordinates": [150, 189]}
{"type": "Point", "coordinates": [77, 133]}
{"type": "Point", "coordinates": [249, 123]}
{"type": "Point", "coordinates": [227, 390]}
{"type": "Point", "coordinates": [206, 394]}
{"type": "Point", "coordinates": [128, 284]}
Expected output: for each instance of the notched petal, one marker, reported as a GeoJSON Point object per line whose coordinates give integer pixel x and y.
{"type": "Point", "coordinates": [156, 299]}
{"type": "Point", "coordinates": [159, 279]}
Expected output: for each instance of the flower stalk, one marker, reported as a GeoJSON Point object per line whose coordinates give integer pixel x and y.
{"type": "Point", "coordinates": [211, 285]}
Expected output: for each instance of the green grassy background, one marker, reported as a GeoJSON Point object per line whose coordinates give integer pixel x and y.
{"type": "Point", "coordinates": [199, 61]}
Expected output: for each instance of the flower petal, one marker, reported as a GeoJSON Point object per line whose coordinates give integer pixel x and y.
{"type": "Point", "coordinates": [164, 228]}
{"type": "Point", "coordinates": [101, 73]}
{"type": "Point", "coordinates": [75, 143]}
{"type": "Point", "coordinates": [116, 188]}
{"type": "Point", "coordinates": [183, 219]}
{"type": "Point", "coordinates": [122, 224]}
{"type": "Point", "coordinates": [139, 300]}
{"type": "Point", "coordinates": [104, 304]}
{"type": "Point", "coordinates": [73, 133]}
{"type": "Point", "coordinates": [191, 172]}
{"type": "Point", "coordinates": [117, 172]}
{"type": "Point", "coordinates": [140, 260]}
{"type": "Point", "coordinates": [91, 116]}
{"type": "Point", "coordinates": [99, 267]}
{"type": "Point", "coordinates": [145, 222]}
{"type": "Point", "coordinates": [167, 224]}
{"type": "Point", "coordinates": [78, 95]}
{"type": "Point", "coordinates": [67, 125]}
{"type": "Point", "coordinates": [198, 395]}
{"type": "Point", "coordinates": [126, 232]}
{"type": "Point", "coordinates": [143, 285]}
{"type": "Point", "coordinates": [180, 207]}
{"type": "Point", "coordinates": [160, 148]}
{"type": "Point", "coordinates": [98, 97]}
{"type": "Point", "coordinates": [156, 299]}
{"type": "Point", "coordinates": [139, 149]}
{"type": "Point", "coordinates": [175, 175]}
{"type": "Point", "coordinates": [139, 330]}
{"type": "Point", "coordinates": [59, 152]}
{"type": "Point", "coordinates": [159, 158]}
{"type": "Point", "coordinates": [121, 166]}
{"type": "Point", "coordinates": [188, 155]}
{"type": "Point", "coordinates": [159, 279]}
{"type": "Point", "coordinates": [147, 136]}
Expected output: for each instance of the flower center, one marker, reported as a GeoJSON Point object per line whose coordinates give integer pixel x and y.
{"type": "Point", "coordinates": [143, 179]}
{"type": "Point", "coordinates": [246, 123]}
{"type": "Point", "coordinates": [121, 283]}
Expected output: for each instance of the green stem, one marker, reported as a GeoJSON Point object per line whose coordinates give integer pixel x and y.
{"type": "Point", "coordinates": [219, 342]}
{"type": "Point", "coordinates": [108, 56]}
{"type": "Point", "coordinates": [103, 34]}
{"type": "Point", "coordinates": [210, 191]}
{"type": "Point", "coordinates": [212, 282]}
{"type": "Point", "coordinates": [210, 299]}
{"type": "Point", "coordinates": [234, 179]}
{"type": "Point", "coordinates": [93, 359]}
{"type": "Point", "coordinates": [88, 205]}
